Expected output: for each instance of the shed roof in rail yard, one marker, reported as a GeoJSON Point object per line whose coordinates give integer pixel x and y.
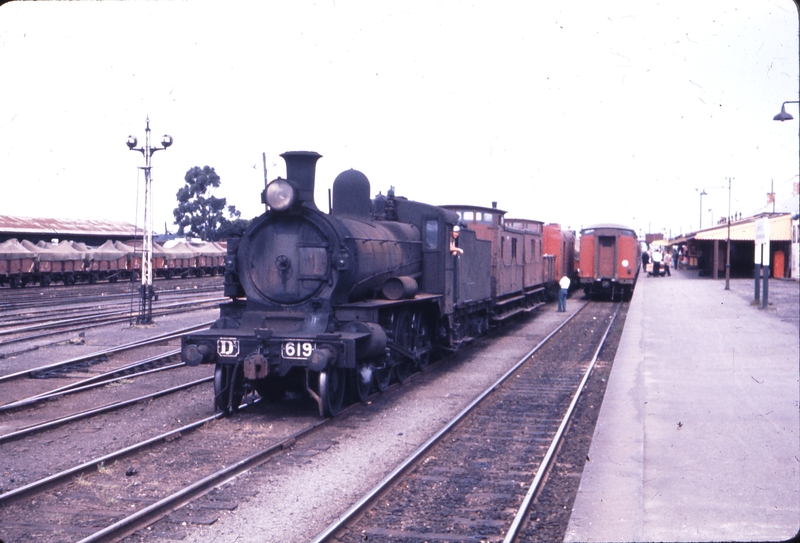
{"type": "Point", "coordinates": [61, 228]}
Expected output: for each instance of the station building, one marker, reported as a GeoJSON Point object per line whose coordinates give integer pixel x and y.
{"type": "Point", "coordinates": [706, 250]}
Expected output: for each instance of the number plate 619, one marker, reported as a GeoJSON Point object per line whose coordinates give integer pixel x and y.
{"type": "Point", "coordinates": [299, 350]}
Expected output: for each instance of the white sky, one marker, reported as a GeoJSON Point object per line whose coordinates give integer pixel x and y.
{"type": "Point", "coordinates": [572, 112]}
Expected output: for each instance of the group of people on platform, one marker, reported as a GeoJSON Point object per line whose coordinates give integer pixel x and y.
{"type": "Point", "coordinates": [660, 260]}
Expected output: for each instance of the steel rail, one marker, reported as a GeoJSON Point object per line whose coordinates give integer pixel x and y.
{"type": "Point", "coordinates": [41, 483]}
{"type": "Point", "coordinates": [161, 508]}
{"type": "Point", "coordinates": [128, 317]}
{"type": "Point", "coordinates": [119, 348]}
{"type": "Point", "coordinates": [409, 462]}
{"type": "Point", "coordinates": [32, 296]}
{"type": "Point", "coordinates": [78, 306]}
{"type": "Point", "coordinates": [551, 451]}
{"type": "Point", "coordinates": [22, 432]}
{"type": "Point", "coordinates": [101, 376]}
{"type": "Point", "coordinates": [94, 382]}
{"type": "Point", "coordinates": [158, 510]}
{"type": "Point", "coordinates": [87, 319]}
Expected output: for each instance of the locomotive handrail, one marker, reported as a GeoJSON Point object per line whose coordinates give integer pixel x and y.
{"type": "Point", "coordinates": [412, 241]}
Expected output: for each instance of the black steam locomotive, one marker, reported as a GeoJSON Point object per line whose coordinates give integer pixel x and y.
{"type": "Point", "coordinates": [331, 305]}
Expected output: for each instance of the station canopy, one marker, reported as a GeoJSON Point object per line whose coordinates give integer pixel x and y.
{"type": "Point", "coordinates": [780, 229]}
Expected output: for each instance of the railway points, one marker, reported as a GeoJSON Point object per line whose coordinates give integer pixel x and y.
{"type": "Point", "coordinates": [698, 437]}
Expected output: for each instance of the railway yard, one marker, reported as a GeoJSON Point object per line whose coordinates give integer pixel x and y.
{"type": "Point", "coordinates": [106, 436]}
{"type": "Point", "coordinates": [143, 454]}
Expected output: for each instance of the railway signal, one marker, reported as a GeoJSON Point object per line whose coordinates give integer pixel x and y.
{"type": "Point", "coordinates": [146, 290]}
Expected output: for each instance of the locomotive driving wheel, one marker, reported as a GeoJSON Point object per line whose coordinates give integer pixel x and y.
{"type": "Point", "coordinates": [382, 374]}
{"type": "Point", "coordinates": [422, 338]}
{"type": "Point", "coordinates": [331, 390]}
{"type": "Point", "coordinates": [361, 382]}
{"type": "Point", "coordinates": [227, 392]}
{"type": "Point", "coordinates": [404, 338]}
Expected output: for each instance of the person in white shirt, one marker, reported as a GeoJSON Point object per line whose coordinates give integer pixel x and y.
{"type": "Point", "coordinates": [562, 294]}
{"type": "Point", "coordinates": [656, 263]}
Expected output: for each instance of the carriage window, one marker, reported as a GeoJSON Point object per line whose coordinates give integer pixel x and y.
{"type": "Point", "coordinates": [488, 217]}
{"type": "Point", "coordinates": [431, 234]}
{"type": "Point", "coordinates": [513, 248]}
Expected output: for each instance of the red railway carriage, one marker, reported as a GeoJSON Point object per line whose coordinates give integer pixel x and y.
{"type": "Point", "coordinates": [561, 243]}
{"type": "Point", "coordinates": [609, 261]}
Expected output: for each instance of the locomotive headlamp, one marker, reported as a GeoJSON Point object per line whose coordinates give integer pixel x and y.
{"type": "Point", "coordinates": [280, 195]}
{"type": "Point", "coordinates": [624, 263]}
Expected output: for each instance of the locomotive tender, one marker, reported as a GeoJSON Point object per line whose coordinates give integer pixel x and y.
{"type": "Point", "coordinates": [328, 304]}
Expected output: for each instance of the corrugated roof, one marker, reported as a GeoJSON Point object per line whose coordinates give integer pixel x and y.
{"type": "Point", "coordinates": [63, 227]}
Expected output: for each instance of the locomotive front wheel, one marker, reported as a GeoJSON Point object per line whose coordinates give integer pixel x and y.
{"type": "Point", "coordinates": [226, 396]}
{"type": "Point", "coordinates": [331, 391]}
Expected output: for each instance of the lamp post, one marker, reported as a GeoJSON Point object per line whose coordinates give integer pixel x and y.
{"type": "Point", "coordinates": [146, 290]}
{"type": "Point", "coordinates": [703, 193]}
{"type": "Point", "coordinates": [782, 116]}
{"type": "Point", "coordinates": [728, 243]}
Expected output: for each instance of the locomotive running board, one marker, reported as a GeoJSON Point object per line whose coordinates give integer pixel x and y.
{"type": "Point", "coordinates": [504, 316]}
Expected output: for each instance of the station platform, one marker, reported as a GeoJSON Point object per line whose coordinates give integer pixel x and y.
{"type": "Point", "coordinates": [698, 437]}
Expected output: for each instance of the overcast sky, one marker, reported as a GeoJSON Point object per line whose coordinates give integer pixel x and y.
{"type": "Point", "coordinates": [573, 112]}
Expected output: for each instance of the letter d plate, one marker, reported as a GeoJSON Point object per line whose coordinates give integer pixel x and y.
{"type": "Point", "coordinates": [228, 347]}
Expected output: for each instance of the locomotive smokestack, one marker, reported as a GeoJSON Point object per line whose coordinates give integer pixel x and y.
{"type": "Point", "coordinates": [301, 169]}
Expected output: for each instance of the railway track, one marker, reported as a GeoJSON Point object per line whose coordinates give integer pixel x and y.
{"type": "Point", "coordinates": [490, 460]}
{"type": "Point", "coordinates": [106, 496]}
{"type": "Point", "coordinates": [69, 315]}
{"type": "Point", "coordinates": [97, 486]}
{"type": "Point", "coordinates": [30, 307]}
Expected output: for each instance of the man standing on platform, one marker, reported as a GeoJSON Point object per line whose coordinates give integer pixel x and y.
{"type": "Point", "coordinates": [656, 263]}
{"type": "Point", "coordinates": [562, 294]}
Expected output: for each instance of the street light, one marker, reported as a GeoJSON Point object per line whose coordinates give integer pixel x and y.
{"type": "Point", "coordinates": [146, 290]}
{"type": "Point", "coordinates": [783, 116]}
{"type": "Point", "coordinates": [704, 193]}
{"type": "Point", "coordinates": [728, 243]}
